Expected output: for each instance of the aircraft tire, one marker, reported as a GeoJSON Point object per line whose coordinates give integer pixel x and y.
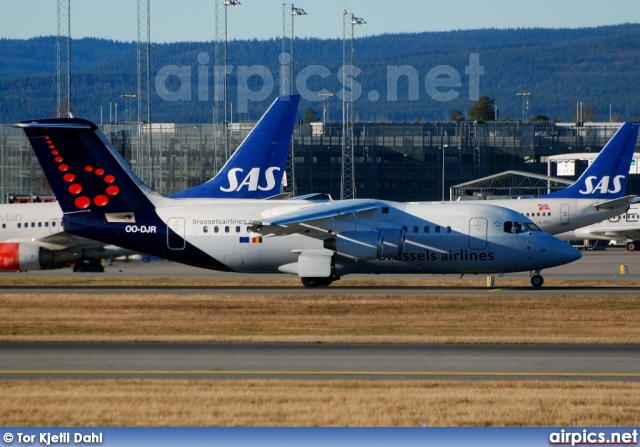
{"type": "Point", "coordinates": [324, 282]}
{"type": "Point", "coordinates": [309, 282]}
{"type": "Point", "coordinates": [537, 281]}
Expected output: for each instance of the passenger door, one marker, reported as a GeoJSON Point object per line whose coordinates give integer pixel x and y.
{"type": "Point", "coordinates": [175, 233]}
{"type": "Point", "coordinates": [478, 228]}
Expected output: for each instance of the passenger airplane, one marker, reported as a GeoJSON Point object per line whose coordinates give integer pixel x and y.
{"type": "Point", "coordinates": [103, 199]}
{"type": "Point", "coordinates": [624, 227]}
{"type": "Point", "coordinates": [33, 239]}
{"type": "Point", "coordinates": [597, 195]}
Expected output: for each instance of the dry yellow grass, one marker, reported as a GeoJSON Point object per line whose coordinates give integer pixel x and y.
{"type": "Point", "coordinates": [422, 318]}
{"type": "Point", "coordinates": [317, 403]}
{"type": "Point", "coordinates": [483, 318]}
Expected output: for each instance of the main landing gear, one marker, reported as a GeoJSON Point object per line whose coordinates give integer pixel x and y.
{"type": "Point", "coordinates": [536, 279]}
{"type": "Point", "coordinates": [317, 282]}
{"type": "Point", "coordinates": [88, 265]}
{"type": "Point", "coordinates": [633, 246]}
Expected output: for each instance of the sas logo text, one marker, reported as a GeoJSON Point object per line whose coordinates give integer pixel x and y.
{"type": "Point", "coordinates": [603, 186]}
{"type": "Point", "coordinates": [251, 180]}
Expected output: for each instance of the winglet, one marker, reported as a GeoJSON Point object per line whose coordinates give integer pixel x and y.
{"type": "Point", "coordinates": [256, 169]}
{"type": "Point", "coordinates": [607, 176]}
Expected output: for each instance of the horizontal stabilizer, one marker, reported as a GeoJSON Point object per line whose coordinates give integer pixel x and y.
{"type": "Point", "coordinates": [615, 203]}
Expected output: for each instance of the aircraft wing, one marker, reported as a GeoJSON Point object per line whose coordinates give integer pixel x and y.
{"type": "Point", "coordinates": [615, 203]}
{"type": "Point", "coordinates": [62, 240]}
{"type": "Point", "coordinates": [312, 218]}
{"type": "Point", "coordinates": [618, 233]}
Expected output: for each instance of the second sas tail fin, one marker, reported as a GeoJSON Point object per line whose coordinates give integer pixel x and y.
{"type": "Point", "coordinates": [607, 176]}
{"type": "Point", "coordinates": [256, 168]}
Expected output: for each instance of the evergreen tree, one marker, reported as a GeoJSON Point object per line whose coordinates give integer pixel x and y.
{"type": "Point", "coordinates": [482, 109]}
{"type": "Point", "coordinates": [456, 116]}
{"type": "Point", "coordinates": [540, 119]}
{"type": "Point", "coordinates": [310, 115]}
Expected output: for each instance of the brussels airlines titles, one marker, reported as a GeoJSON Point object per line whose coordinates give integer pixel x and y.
{"type": "Point", "coordinates": [430, 255]}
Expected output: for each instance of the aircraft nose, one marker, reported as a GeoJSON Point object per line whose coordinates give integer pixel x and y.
{"type": "Point", "coordinates": [563, 251]}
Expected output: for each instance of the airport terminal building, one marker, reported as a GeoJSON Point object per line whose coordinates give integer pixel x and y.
{"type": "Point", "coordinates": [395, 161]}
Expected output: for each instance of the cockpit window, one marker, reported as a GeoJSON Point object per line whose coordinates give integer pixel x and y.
{"type": "Point", "coordinates": [532, 227]}
{"type": "Point", "coordinates": [519, 227]}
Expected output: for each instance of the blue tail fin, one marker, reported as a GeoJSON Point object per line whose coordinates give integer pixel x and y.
{"type": "Point", "coordinates": [74, 154]}
{"type": "Point", "coordinates": [256, 168]}
{"type": "Point", "coordinates": [607, 176]}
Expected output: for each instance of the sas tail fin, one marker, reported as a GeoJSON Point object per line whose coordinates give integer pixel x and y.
{"type": "Point", "coordinates": [74, 154]}
{"type": "Point", "coordinates": [256, 169]}
{"type": "Point", "coordinates": [607, 176]}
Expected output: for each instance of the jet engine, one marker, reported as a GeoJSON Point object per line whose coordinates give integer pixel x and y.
{"type": "Point", "coordinates": [15, 256]}
{"type": "Point", "coordinates": [393, 241]}
{"type": "Point", "coordinates": [360, 245]}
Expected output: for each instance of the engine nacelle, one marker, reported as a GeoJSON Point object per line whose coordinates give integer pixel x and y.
{"type": "Point", "coordinates": [360, 245]}
{"type": "Point", "coordinates": [15, 256]}
{"type": "Point", "coordinates": [394, 240]}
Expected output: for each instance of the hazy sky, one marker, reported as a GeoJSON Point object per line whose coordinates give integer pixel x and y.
{"type": "Point", "coordinates": [192, 20]}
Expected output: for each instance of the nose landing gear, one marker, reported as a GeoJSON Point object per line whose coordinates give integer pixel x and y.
{"type": "Point", "coordinates": [536, 279]}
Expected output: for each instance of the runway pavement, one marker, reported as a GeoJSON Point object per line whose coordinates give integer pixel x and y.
{"type": "Point", "coordinates": [317, 361]}
{"type": "Point", "coordinates": [594, 265]}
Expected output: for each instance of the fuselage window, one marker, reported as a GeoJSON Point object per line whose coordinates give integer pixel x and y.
{"type": "Point", "coordinates": [205, 229]}
{"type": "Point", "coordinates": [448, 229]}
{"type": "Point", "coordinates": [39, 224]}
{"type": "Point", "coordinates": [437, 228]}
{"type": "Point", "coordinates": [216, 229]}
{"type": "Point", "coordinates": [53, 224]}
{"type": "Point", "coordinates": [405, 228]}
{"type": "Point", "coordinates": [4, 225]}
{"type": "Point", "coordinates": [226, 229]}
{"type": "Point", "coordinates": [33, 224]}
{"type": "Point", "coordinates": [384, 210]}
{"type": "Point", "coordinates": [426, 229]}
{"type": "Point", "coordinates": [238, 229]}
{"type": "Point", "coordinates": [248, 229]}
{"type": "Point", "coordinates": [415, 228]}
{"type": "Point", "coordinates": [19, 225]}
{"type": "Point", "coordinates": [46, 224]}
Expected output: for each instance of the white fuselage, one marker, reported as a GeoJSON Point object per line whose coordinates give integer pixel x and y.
{"type": "Point", "coordinates": [440, 238]}
{"type": "Point", "coordinates": [554, 215]}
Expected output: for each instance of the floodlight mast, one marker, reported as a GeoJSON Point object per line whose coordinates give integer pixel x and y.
{"type": "Point", "coordinates": [347, 184]}
{"type": "Point", "coordinates": [64, 59]}
{"type": "Point", "coordinates": [222, 134]}
{"type": "Point", "coordinates": [287, 59]}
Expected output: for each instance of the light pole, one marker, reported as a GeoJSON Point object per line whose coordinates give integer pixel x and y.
{"type": "Point", "coordinates": [324, 106]}
{"type": "Point", "coordinates": [444, 146]}
{"type": "Point", "coordinates": [128, 97]}
{"type": "Point", "coordinates": [525, 105]}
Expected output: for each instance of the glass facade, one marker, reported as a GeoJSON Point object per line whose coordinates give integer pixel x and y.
{"type": "Point", "coordinates": [403, 162]}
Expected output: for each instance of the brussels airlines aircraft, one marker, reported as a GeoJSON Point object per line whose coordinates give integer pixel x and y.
{"type": "Point", "coordinates": [103, 199]}
{"type": "Point", "coordinates": [596, 195]}
{"type": "Point", "coordinates": [33, 238]}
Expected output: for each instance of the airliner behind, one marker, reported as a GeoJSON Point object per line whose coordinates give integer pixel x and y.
{"type": "Point", "coordinates": [624, 227]}
{"type": "Point", "coordinates": [597, 195]}
{"type": "Point", "coordinates": [103, 199]}
{"type": "Point", "coordinates": [33, 239]}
